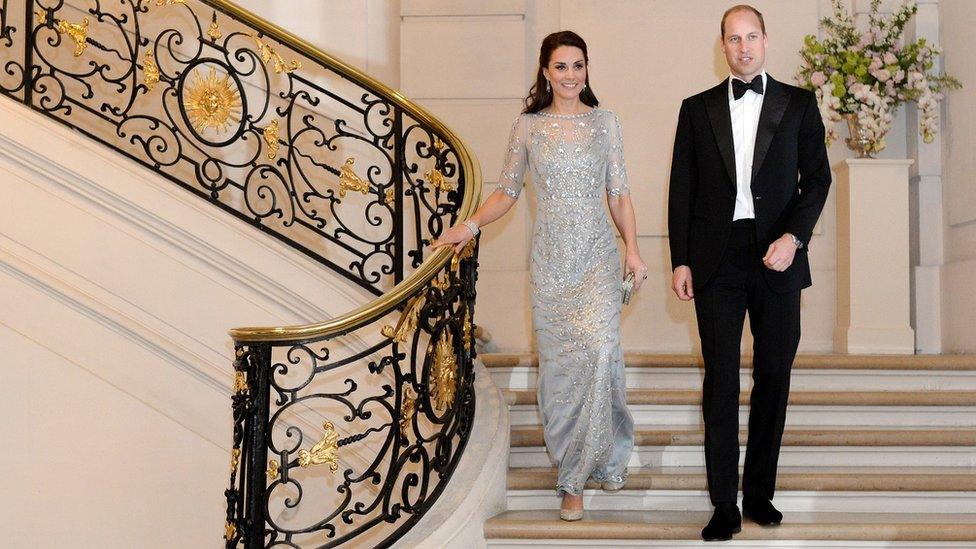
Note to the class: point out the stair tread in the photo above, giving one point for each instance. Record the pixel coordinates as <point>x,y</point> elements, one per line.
<point>824,398</point>
<point>824,478</point>
<point>677,525</point>
<point>803,361</point>
<point>655,435</point>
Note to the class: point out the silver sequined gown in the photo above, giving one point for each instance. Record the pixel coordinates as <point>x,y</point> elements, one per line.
<point>576,297</point>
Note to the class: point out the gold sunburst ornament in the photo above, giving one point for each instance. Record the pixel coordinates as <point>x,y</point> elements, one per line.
<point>212,102</point>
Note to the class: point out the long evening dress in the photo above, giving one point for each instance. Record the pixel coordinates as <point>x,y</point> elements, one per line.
<point>576,289</point>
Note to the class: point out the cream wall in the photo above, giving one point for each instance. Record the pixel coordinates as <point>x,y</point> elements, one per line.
<point>645,58</point>
<point>959,114</point>
<point>363,33</point>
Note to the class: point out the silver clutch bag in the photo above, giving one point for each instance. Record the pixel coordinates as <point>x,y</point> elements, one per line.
<point>628,287</point>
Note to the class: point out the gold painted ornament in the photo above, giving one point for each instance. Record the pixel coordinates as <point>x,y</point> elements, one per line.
<point>444,375</point>
<point>77,32</point>
<point>271,139</point>
<point>349,181</point>
<point>324,451</point>
<point>150,71</point>
<point>212,102</point>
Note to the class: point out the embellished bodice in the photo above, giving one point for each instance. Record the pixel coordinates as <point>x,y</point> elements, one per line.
<point>572,158</point>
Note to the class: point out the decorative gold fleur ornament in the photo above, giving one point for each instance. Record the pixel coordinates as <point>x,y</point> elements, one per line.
<point>150,71</point>
<point>324,451</point>
<point>235,459</point>
<point>408,320</point>
<point>268,53</point>
<point>214,31</point>
<point>77,32</point>
<point>444,375</point>
<point>407,410</point>
<point>240,382</point>
<point>436,177</point>
<point>229,531</point>
<point>272,471</point>
<point>349,181</point>
<point>212,102</point>
<point>271,139</point>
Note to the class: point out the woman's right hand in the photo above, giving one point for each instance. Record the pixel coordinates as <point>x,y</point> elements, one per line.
<point>457,236</point>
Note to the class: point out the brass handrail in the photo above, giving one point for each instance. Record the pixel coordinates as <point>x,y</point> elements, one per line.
<point>432,265</point>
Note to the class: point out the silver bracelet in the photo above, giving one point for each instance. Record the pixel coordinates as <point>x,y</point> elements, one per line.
<point>472,226</point>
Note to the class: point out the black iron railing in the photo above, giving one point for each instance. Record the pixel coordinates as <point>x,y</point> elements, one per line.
<point>345,430</point>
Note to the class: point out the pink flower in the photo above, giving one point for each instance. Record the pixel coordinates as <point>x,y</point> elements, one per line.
<point>818,79</point>
<point>883,75</point>
<point>876,63</point>
<point>899,76</point>
<point>889,58</point>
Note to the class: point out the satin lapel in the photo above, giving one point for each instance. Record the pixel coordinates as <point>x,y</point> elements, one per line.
<point>774,105</point>
<point>717,105</point>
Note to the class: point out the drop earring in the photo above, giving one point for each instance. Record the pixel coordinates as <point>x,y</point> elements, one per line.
<point>548,89</point>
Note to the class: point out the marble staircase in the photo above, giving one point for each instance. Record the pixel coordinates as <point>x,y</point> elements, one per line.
<point>879,451</point>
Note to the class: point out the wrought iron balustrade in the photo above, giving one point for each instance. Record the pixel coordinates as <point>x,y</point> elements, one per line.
<point>345,430</point>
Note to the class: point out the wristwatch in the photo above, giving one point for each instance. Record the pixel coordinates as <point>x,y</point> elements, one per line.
<point>796,241</point>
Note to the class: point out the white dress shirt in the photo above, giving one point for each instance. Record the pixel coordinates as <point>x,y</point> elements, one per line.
<point>745,119</point>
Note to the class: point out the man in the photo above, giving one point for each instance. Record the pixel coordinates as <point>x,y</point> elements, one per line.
<point>749,178</point>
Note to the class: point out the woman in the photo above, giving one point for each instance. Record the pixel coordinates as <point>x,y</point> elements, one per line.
<point>576,155</point>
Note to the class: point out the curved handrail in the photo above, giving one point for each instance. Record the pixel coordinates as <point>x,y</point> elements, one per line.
<point>422,276</point>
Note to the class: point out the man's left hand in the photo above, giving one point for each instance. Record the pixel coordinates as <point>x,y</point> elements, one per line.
<point>780,254</point>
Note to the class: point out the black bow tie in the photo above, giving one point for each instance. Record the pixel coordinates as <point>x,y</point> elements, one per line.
<point>739,87</point>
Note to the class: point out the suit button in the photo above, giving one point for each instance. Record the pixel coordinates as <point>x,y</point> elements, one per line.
<point>758,197</point>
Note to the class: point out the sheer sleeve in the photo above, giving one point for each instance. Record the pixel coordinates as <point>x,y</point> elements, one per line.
<point>516,159</point>
<point>616,169</point>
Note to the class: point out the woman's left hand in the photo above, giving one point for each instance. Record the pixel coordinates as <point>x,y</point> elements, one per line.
<point>634,264</point>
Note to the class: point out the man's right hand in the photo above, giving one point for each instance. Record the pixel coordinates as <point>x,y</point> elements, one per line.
<point>681,283</point>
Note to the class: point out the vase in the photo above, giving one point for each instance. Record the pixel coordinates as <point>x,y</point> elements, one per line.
<point>861,140</point>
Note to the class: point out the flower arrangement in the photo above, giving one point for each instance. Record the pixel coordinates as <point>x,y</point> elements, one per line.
<point>865,76</point>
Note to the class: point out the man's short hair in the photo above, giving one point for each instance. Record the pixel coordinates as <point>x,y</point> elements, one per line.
<point>743,7</point>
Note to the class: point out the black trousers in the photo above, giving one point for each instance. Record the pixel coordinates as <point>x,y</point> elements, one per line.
<point>738,287</point>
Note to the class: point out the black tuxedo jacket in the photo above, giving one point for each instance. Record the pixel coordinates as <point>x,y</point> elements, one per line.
<point>790,179</point>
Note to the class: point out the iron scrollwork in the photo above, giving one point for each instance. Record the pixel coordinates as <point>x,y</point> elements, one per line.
<point>393,431</point>
<point>336,167</point>
<point>238,117</point>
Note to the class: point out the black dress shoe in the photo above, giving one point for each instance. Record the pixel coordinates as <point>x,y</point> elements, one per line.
<point>761,511</point>
<point>725,521</point>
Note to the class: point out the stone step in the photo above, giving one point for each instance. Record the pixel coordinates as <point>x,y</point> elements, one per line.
<point>797,398</point>
<point>807,408</point>
<point>527,436</point>
<point>803,361</point>
<point>681,446</point>
<point>799,489</point>
<point>811,372</point>
<point>513,529</point>
<point>816,479</point>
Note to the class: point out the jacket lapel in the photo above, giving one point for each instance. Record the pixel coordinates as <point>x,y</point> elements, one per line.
<point>717,105</point>
<point>773,107</point>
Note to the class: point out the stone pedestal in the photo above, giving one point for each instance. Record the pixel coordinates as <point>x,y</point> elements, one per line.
<point>873,295</point>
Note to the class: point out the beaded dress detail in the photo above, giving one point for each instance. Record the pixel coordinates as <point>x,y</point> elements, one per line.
<point>576,294</point>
